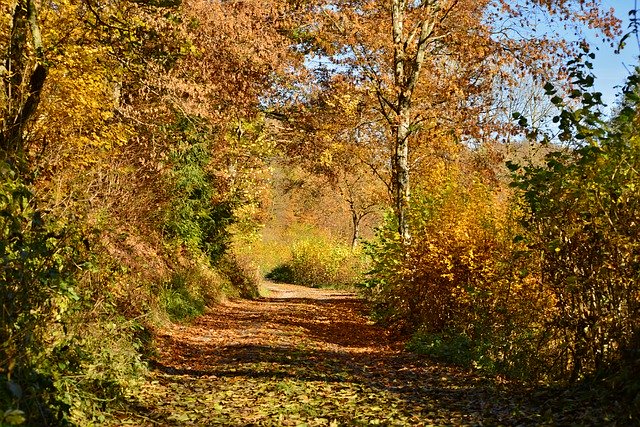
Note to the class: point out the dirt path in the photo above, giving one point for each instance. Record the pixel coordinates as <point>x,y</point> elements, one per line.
<point>301,356</point>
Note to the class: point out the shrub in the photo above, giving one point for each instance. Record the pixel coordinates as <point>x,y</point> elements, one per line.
<point>455,347</point>
<point>39,258</point>
<point>241,276</point>
<point>196,216</point>
<point>181,300</point>
<point>462,284</point>
<point>193,288</point>
<point>282,273</point>
<point>582,210</point>
<point>453,261</point>
<point>546,288</point>
<point>90,366</point>
<point>320,262</point>
<point>53,367</point>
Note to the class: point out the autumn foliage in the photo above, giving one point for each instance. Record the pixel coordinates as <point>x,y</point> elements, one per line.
<point>538,281</point>
<point>155,155</point>
<point>127,151</point>
<point>581,217</point>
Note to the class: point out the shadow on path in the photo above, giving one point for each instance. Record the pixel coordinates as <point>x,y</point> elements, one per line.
<point>311,357</point>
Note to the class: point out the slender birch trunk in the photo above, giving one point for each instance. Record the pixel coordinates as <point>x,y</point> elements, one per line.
<point>409,53</point>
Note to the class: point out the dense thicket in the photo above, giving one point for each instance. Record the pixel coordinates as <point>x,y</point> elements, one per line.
<point>540,282</point>
<point>581,223</point>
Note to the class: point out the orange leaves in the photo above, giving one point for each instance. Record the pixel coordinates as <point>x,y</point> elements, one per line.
<point>233,51</point>
<point>459,263</point>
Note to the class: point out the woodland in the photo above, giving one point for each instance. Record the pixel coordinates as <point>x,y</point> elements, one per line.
<point>447,161</point>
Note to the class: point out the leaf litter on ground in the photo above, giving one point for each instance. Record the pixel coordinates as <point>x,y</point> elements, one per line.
<point>311,357</point>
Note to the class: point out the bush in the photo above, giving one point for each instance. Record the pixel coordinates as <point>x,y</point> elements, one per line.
<point>454,261</point>
<point>463,284</point>
<point>191,289</point>
<point>54,369</point>
<point>90,366</point>
<point>242,276</point>
<point>543,289</point>
<point>181,300</point>
<point>320,262</point>
<point>39,258</point>
<point>582,210</point>
<point>453,347</point>
<point>282,273</point>
<point>197,216</point>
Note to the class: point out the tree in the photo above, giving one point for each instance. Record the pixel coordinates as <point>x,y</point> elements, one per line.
<point>409,51</point>
<point>335,138</point>
<point>116,112</point>
<point>434,64</point>
<point>22,77</point>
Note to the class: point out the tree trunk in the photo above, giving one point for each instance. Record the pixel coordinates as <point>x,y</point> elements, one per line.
<point>401,176</point>
<point>23,77</point>
<point>409,51</point>
<point>402,128</point>
<point>355,236</point>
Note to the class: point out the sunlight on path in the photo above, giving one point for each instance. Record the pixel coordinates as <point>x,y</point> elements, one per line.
<point>300,356</point>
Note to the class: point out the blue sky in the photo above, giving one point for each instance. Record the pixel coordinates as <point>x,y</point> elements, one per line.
<point>611,69</point>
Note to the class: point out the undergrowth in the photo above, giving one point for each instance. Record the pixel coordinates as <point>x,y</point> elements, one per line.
<point>320,262</point>
<point>81,294</point>
<point>538,282</point>
<point>190,291</point>
<point>452,347</point>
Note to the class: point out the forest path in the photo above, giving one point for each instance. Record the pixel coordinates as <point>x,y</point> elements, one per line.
<point>301,356</point>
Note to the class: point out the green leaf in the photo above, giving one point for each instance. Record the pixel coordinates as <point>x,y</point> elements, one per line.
<point>556,100</point>
<point>13,417</point>
<point>549,88</point>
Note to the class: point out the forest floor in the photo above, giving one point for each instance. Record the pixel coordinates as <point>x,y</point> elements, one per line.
<point>311,357</point>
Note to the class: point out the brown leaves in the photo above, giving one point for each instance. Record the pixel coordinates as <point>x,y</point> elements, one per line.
<point>309,357</point>
<point>235,50</point>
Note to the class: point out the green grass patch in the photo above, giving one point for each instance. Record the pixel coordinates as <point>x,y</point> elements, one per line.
<point>452,347</point>
<point>181,300</point>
